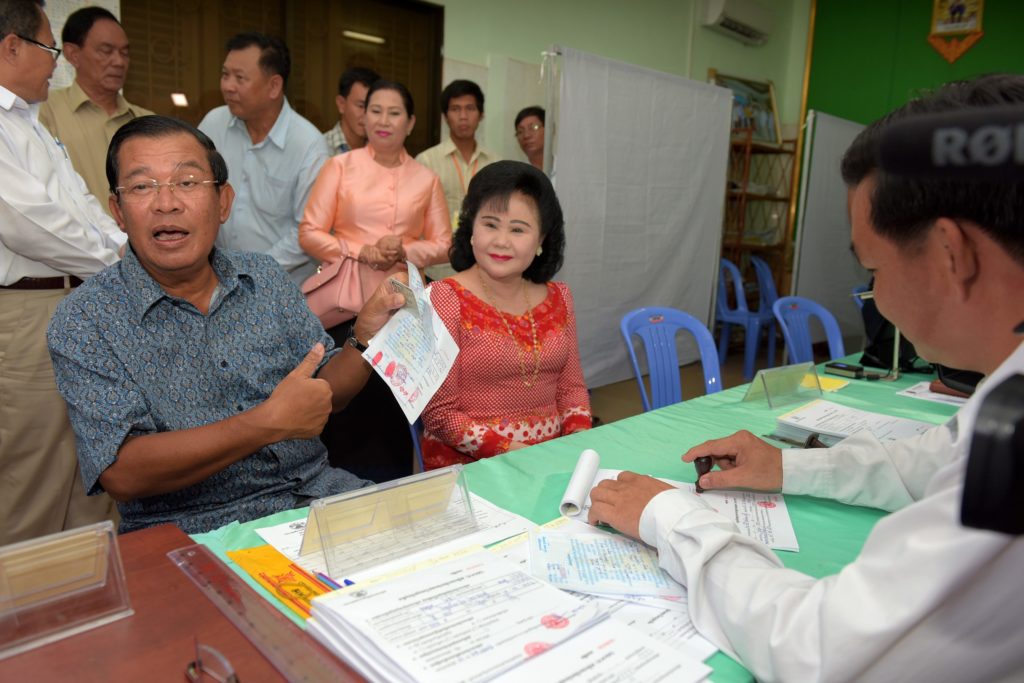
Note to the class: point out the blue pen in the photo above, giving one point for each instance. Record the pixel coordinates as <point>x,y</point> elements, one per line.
<point>328,581</point>
<point>349,582</point>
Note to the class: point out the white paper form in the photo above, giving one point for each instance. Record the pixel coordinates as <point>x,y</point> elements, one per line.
<point>666,620</point>
<point>923,391</point>
<point>600,563</point>
<point>761,516</point>
<point>413,352</point>
<point>837,421</point>
<point>609,653</point>
<point>495,524</point>
<point>469,619</point>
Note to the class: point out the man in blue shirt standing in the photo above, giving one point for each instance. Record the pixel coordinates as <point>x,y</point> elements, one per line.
<point>197,379</point>
<point>274,155</point>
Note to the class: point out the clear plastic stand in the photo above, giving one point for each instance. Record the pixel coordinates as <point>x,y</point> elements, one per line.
<point>369,526</point>
<point>60,585</point>
<point>785,385</point>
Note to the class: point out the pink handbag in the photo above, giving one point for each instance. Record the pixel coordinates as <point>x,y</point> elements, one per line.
<point>334,293</point>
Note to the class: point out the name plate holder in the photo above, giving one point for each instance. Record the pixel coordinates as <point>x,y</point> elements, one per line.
<point>383,522</point>
<point>784,385</point>
<point>60,585</point>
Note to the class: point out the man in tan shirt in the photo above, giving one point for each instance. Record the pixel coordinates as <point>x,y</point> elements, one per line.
<point>86,114</point>
<point>457,159</point>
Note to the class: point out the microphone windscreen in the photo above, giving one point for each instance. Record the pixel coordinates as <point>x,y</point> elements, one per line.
<point>972,144</point>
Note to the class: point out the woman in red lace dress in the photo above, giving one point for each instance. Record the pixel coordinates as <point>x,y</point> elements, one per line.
<point>517,380</point>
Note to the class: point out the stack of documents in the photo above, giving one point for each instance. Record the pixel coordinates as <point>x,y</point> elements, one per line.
<point>479,617</point>
<point>833,423</point>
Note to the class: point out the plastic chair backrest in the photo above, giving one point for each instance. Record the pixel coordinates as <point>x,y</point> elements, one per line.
<point>657,327</point>
<point>793,314</point>
<point>728,272</point>
<point>765,283</point>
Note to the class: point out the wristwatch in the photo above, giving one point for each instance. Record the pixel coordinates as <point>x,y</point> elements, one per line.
<point>356,344</point>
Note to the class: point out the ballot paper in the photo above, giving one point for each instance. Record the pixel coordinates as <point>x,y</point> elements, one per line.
<point>761,516</point>
<point>414,351</point>
<point>608,653</point>
<point>666,620</point>
<point>604,564</point>
<point>469,619</point>
<point>833,423</point>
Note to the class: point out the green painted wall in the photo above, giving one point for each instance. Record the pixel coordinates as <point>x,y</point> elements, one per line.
<point>871,56</point>
<point>658,34</point>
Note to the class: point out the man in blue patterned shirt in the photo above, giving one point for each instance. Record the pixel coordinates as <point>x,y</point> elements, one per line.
<point>196,378</point>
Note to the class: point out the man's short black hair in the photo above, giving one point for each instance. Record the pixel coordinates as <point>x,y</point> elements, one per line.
<point>381,84</point>
<point>903,208</point>
<point>274,55</point>
<point>461,88</point>
<point>156,126</point>
<point>356,74</point>
<point>529,111</point>
<point>80,22</point>
<point>20,17</point>
<point>493,185</point>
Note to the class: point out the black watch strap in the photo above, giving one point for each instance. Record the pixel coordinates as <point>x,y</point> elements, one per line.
<point>356,344</point>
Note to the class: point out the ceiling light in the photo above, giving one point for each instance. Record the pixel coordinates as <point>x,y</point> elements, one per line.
<point>365,37</point>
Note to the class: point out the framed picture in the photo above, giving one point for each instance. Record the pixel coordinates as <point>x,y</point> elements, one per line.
<point>753,106</point>
<point>953,17</point>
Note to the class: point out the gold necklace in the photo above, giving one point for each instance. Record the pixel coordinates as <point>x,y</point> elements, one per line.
<point>528,378</point>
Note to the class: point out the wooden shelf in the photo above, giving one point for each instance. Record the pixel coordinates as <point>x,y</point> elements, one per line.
<point>761,215</point>
<point>737,194</point>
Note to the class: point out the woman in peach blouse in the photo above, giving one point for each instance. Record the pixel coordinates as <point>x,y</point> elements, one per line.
<point>379,205</point>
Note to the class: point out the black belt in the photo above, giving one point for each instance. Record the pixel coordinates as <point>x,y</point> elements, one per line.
<point>44,283</point>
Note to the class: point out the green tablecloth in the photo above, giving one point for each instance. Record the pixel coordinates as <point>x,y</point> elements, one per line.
<point>531,482</point>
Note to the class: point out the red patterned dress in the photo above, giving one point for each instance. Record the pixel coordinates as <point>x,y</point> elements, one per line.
<point>484,404</point>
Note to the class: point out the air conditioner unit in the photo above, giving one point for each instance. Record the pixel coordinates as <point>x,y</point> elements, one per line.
<point>745,20</point>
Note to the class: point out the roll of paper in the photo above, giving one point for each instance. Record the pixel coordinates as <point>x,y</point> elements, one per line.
<point>580,484</point>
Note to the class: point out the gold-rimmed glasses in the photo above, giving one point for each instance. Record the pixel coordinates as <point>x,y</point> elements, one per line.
<point>526,130</point>
<point>145,189</point>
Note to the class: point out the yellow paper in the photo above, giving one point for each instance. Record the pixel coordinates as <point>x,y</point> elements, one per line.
<point>275,572</point>
<point>826,383</point>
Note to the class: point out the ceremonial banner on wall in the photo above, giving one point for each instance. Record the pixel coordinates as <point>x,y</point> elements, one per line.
<point>956,27</point>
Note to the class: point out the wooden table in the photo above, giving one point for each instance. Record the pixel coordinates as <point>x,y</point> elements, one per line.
<point>158,641</point>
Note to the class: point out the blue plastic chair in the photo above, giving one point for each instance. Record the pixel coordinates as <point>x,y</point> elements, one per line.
<point>856,292</point>
<point>657,327</point>
<point>416,431</point>
<point>752,321</point>
<point>765,284</point>
<point>794,314</point>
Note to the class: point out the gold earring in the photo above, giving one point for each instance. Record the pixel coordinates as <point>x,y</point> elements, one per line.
<point>540,250</point>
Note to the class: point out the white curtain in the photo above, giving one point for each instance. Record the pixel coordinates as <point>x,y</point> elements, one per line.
<point>640,169</point>
<point>824,268</point>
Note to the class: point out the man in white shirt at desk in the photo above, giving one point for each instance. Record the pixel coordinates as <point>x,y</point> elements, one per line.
<point>927,599</point>
<point>52,235</point>
<point>273,154</point>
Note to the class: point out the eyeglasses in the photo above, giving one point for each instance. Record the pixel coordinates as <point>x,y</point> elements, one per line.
<point>53,50</point>
<point>521,132</point>
<point>143,190</point>
<point>210,664</point>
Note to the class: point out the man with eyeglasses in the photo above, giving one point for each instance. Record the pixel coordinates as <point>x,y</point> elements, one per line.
<point>197,378</point>
<point>85,115</point>
<point>530,134</point>
<point>53,234</point>
<point>928,598</point>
